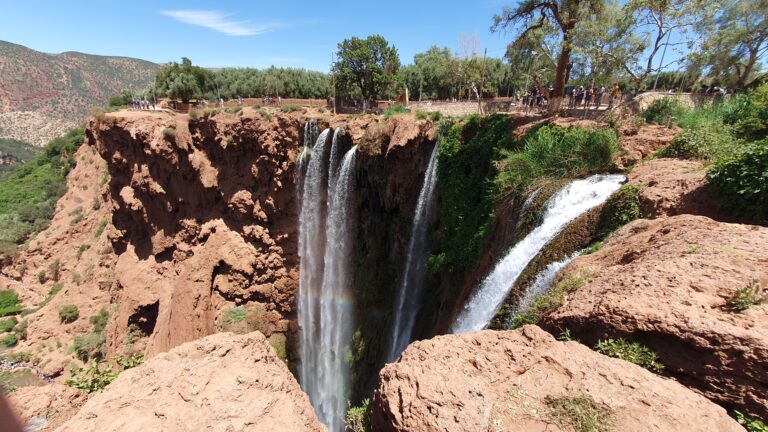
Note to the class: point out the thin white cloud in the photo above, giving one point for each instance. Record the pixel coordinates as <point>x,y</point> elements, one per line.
<point>219,22</point>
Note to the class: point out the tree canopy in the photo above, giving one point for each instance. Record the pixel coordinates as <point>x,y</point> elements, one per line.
<point>368,65</point>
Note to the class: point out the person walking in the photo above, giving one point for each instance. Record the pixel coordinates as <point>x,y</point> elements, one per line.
<point>600,94</point>
<point>615,92</point>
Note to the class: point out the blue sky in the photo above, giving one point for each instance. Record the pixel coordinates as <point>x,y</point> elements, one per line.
<point>245,33</point>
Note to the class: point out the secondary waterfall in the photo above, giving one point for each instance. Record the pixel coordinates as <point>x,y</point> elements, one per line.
<point>566,205</point>
<point>408,300</point>
<point>541,284</point>
<point>324,307</point>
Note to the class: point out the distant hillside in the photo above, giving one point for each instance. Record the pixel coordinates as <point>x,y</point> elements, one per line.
<point>42,95</point>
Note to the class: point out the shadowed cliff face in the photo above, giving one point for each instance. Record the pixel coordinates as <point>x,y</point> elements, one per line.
<point>206,218</point>
<point>206,213</point>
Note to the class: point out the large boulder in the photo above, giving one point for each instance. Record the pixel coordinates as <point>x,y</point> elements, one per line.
<point>521,380</point>
<point>671,187</point>
<point>666,283</point>
<point>222,383</point>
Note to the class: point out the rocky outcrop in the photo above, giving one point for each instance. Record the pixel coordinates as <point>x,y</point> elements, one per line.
<point>46,407</point>
<point>671,187</point>
<point>220,383</point>
<point>643,143</point>
<point>666,283</point>
<point>511,381</point>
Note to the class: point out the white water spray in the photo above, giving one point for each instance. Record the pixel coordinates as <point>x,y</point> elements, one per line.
<point>569,203</point>
<point>408,300</point>
<point>541,284</point>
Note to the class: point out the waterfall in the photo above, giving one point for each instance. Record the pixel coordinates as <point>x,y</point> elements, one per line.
<point>541,283</point>
<point>311,247</point>
<point>408,300</point>
<point>325,312</point>
<point>566,205</point>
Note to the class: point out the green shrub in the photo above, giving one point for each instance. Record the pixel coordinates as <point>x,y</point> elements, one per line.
<point>21,329</point>
<point>436,116</point>
<point>750,424</point>
<point>89,346</point>
<point>99,321</point>
<point>746,297</point>
<point>6,382</point>
<point>358,418</point>
<point>92,345</point>
<point>41,276</point>
<point>233,110</point>
<point>81,249</point>
<point>278,340</point>
<point>549,301</point>
<point>421,115</point>
<point>169,133</point>
<point>9,340</point>
<point>68,313</point>
<point>396,109</point>
<point>740,183</point>
<point>8,298</point>
<point>266,115</point>
<point>290,108</point>
<point>194,114</point>
<point>702,143</point>
<point>663,110</point>
<point>54,270</point>
<point>750,115</point>
<point>632,352</point>
<point>130,362</point>
<point>17,357</point>
<point>256,106</point>
<point>553,151</point>
<point>8,324</point>
<point>245,319</point>
<point>100,228</point>
<point>620,209</point>
<point>580,412</point>
<point>93,378</point>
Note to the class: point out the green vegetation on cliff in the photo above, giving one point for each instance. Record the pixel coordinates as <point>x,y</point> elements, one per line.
<point>465,177</point>
<point>28,195</point>
<point>480,161</point>
<point>730,135</point>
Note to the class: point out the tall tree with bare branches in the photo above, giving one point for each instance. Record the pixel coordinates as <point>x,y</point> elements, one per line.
<point>563,16</point>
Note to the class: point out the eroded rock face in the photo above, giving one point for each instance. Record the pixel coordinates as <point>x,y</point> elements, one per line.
<point>500,381</point>
<point>219,383</point>
<point>637,145</point>
<point>206,220</point>
<point>671,187</point>
<point>666,284</point>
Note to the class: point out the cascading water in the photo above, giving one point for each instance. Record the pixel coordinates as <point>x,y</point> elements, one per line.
<point>408,300</point>
<point>325,312</point>
<point>569,203</point>
<point>541,283</point>
<point>311,247</point>
<point>336,312</point>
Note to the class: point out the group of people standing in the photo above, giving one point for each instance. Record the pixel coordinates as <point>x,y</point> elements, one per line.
<point>142,104</point>
<point>579,97</point>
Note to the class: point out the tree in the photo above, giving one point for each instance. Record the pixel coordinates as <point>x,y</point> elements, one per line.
<point>369,64</point>
<point>735,40</point>
<point>183,81</point>
<point>657,19</point>
<point>563,16</point>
